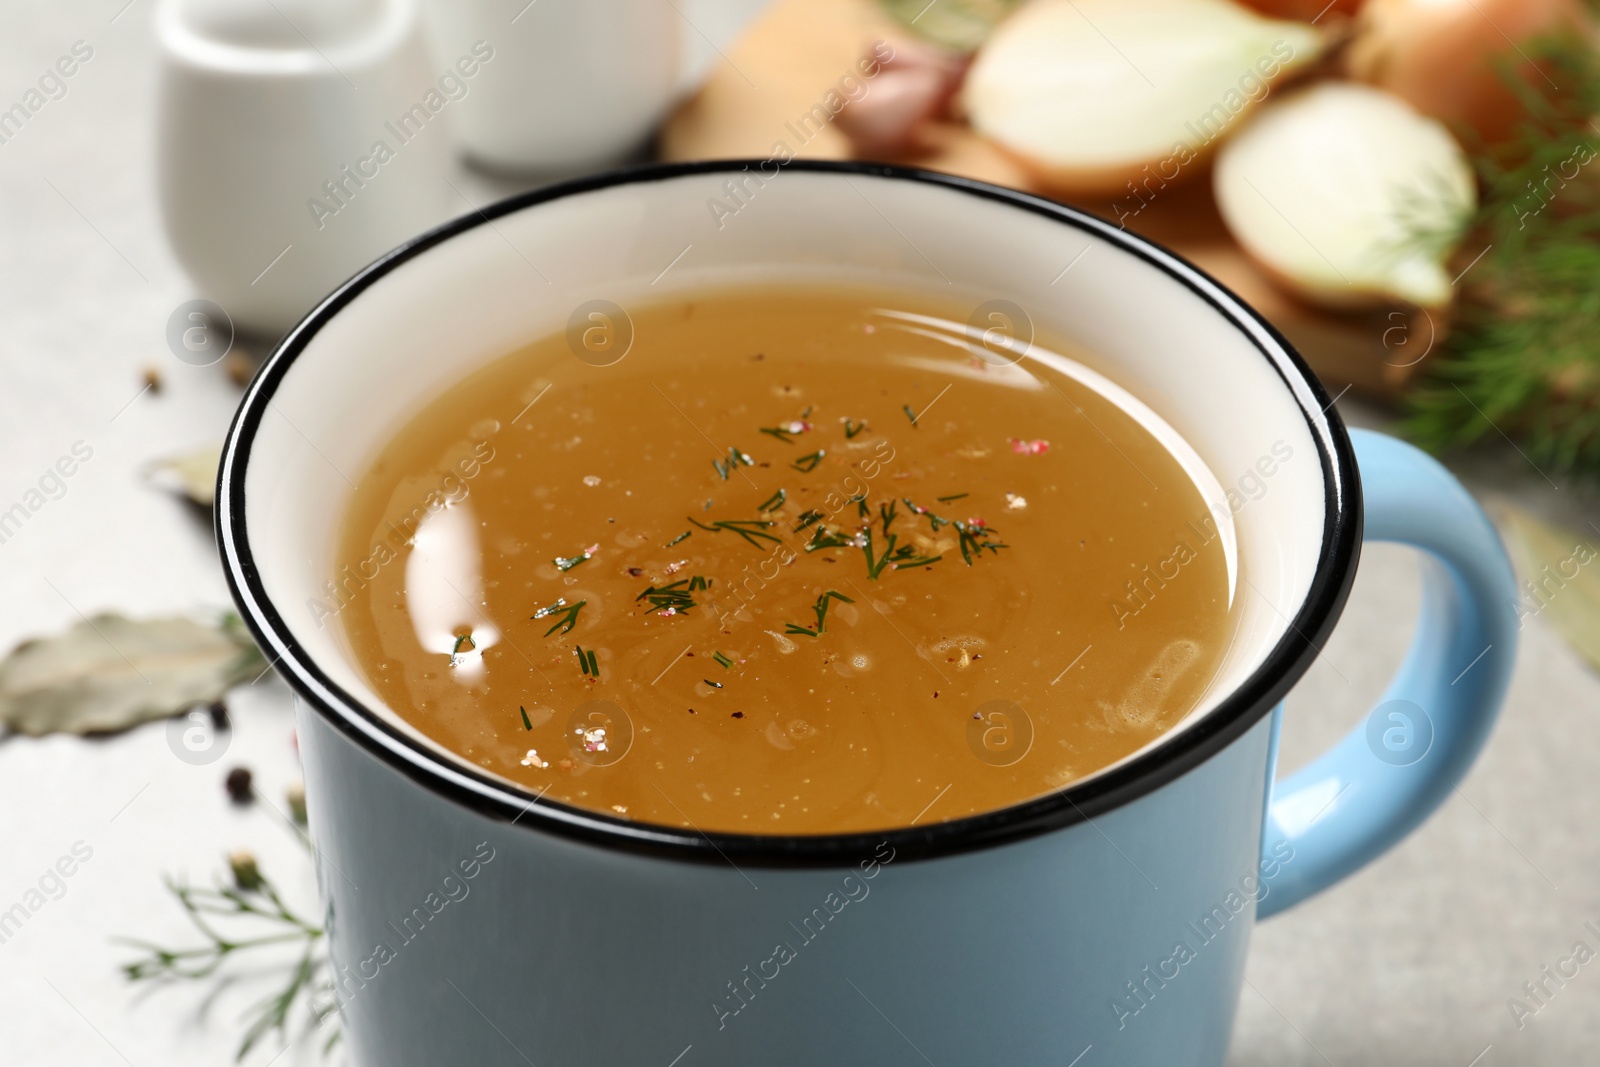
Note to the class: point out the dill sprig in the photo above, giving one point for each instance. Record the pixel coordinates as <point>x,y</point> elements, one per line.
<point>235,920</point>
<point>774,502</point>
<point>1523,357</point>
<point>680,537</point>
<point>587,662</point>
<point>820,610</point>
<point>722,660</point>
<point>851,428</point>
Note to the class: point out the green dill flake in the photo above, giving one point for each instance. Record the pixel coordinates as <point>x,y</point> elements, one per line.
<point>735,458</point>
<point>876,564</point>
<point>934,521</point>
<point>680,537</point>
<point>673,598</point>
<point>808,463</point>
<point>851,428</point>
<point>750,530</point>
<point>894,554</point>
<point>526,723</point>
<point>550,609</point>
<point>956,496</point>
<point>808,518</point>
<point>775,501</point>
<point>588,662</point>
<point>714,685</point>
<point>566,563</point>
<point>975,537</point>
<point>912,415</point>
<point>568,613</point>
<point>726,663</point>
<point>826,538</point>
<point>820,610</point>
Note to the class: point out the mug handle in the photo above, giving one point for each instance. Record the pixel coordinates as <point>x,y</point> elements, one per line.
<point>1387,775</point>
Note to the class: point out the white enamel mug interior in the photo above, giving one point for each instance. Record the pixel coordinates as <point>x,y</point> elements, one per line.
<point>378,350</point>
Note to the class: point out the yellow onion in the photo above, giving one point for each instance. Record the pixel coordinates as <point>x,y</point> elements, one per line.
<point>1089,95</point>
<point>1348,196</point>
<point>1444,57</point>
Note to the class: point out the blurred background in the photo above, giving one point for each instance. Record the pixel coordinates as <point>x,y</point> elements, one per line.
<point>1403,187</point>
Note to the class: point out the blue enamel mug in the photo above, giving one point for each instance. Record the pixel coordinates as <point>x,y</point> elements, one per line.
<point>1104,923</point>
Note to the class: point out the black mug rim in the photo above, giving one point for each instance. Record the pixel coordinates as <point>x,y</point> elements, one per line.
<point>1165,761</point>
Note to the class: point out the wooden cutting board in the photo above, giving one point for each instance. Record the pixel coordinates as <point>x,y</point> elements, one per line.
<point>799,49</point>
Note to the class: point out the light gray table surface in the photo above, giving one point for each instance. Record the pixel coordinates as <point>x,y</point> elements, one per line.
<point>1410,962</point>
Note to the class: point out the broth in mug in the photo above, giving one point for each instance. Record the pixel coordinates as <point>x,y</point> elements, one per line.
<point>801,561</point>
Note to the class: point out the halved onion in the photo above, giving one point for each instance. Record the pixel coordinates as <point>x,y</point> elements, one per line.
<point>1091,94</point>
<point>1348,196</point>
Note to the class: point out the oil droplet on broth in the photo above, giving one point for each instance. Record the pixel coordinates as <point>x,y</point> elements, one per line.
<point>1149,701</point>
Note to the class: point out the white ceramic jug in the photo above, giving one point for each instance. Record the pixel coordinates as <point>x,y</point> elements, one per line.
<point>577,84</point>
<point>299,140</point>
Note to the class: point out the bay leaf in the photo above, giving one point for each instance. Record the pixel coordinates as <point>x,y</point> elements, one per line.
<point>191,474</point>
<point>110,673</point>
<point>1563,567</point>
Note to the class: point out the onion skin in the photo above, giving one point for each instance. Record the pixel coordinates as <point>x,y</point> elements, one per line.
<point>914,86</point>
<point>1441,56</point>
